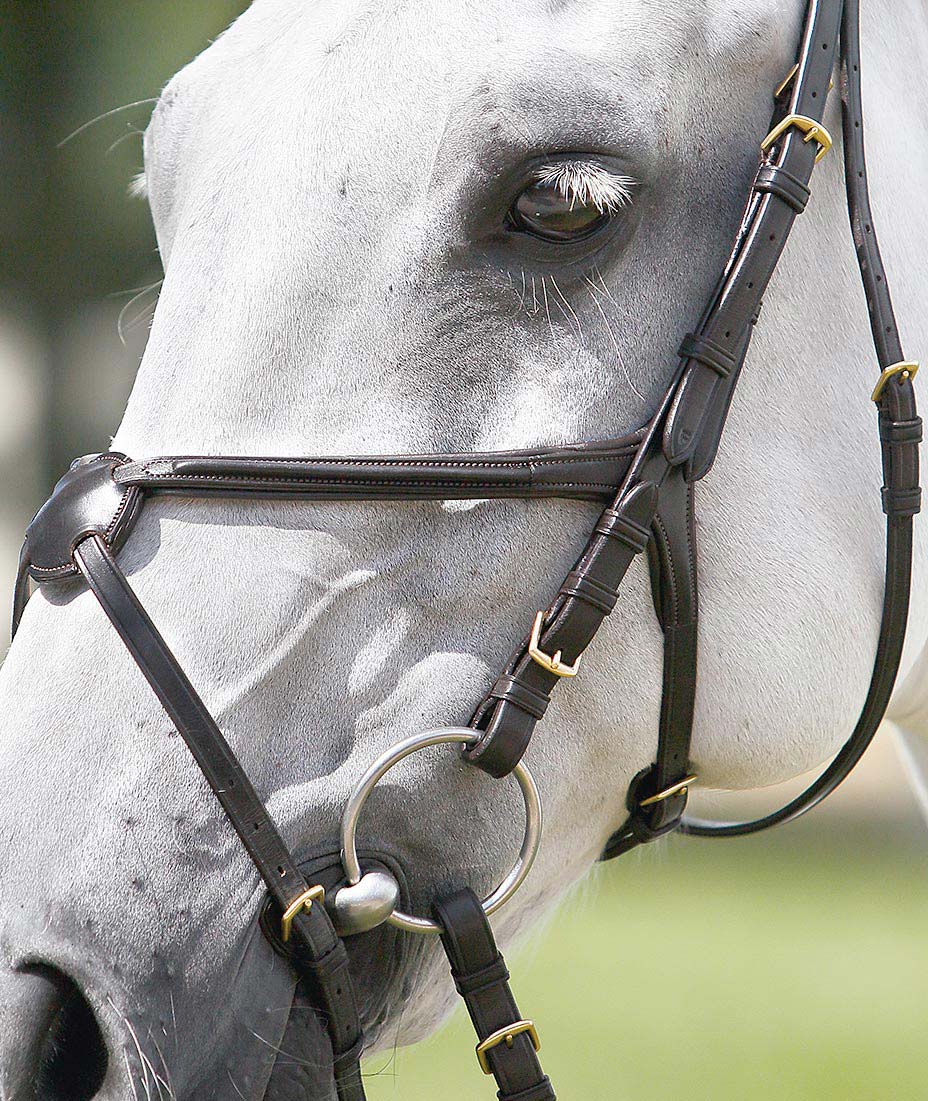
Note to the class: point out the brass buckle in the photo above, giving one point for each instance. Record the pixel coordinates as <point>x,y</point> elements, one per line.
<point>506,1035</point>
<point>814,131</point>
<point>546,661</point>
<point>667,793</point>
<point>304,902</point>
<point>906,371</point>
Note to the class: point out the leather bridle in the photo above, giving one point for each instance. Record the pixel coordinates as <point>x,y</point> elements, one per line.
<point>645,483</point>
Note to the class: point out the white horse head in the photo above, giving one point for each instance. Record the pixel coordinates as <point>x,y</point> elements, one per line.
<point>332,187</point>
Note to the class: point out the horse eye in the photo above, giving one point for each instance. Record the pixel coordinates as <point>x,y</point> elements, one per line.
<point>542,210</point>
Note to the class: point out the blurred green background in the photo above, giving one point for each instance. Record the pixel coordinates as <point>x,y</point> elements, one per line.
<point>791,969</point>
<point>791,966</point>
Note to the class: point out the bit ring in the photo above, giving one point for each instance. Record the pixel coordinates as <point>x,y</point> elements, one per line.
<point>442,736</point>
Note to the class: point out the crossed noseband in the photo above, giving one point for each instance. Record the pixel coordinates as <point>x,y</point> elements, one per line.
<point>645,483</point>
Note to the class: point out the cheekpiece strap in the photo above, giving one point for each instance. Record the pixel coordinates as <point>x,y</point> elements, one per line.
<point>508,1043</point>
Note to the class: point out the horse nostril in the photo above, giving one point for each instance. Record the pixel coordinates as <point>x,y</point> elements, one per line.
<point>72,1058</point>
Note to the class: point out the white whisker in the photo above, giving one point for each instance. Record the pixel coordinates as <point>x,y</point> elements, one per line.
<point>138,186</point>
<point>132,133</point>
<point>520,300</point>
<point>105,115</point>
<point>522,294</point>
<point>234,1086</point>
<point>593,291</point>
<point>166,1081</point>
<point>123,326</point>
<point>608,293</point>
<point>131,1074</point>
<point>279,1051</point>
<point>142,1060</point>
<point>557,289</point>
<point>544,291</point>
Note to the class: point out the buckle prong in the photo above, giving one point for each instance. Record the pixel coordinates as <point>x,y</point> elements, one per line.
<point>813,130</point>
<point>304,902</point>
<point>550,662</point>
<point>668,793</point>
<point>506,1035</point>
<point>905,371</point>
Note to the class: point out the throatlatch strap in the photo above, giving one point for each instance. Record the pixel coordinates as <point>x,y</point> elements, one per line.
<point>508,1044</point>
<point>318,952</point>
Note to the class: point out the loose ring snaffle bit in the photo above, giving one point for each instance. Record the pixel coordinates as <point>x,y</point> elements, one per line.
<point>344,901</point>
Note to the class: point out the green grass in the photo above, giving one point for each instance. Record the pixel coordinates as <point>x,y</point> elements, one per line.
<point>788,968</point>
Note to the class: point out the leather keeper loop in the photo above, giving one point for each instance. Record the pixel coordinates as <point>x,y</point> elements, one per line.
<point>600,596</point>
<point>516,691</point>
<point>645,833</point>
<point>709,353</point>
<point>899,432</point>
<point>497,972</point>
<point>901,502</point>
<point>777,181</point>
<point>616,526</point>
<point>345,1062</point>
<point>321,968</point>
<point>541,1092</point>
<point>647,824</point>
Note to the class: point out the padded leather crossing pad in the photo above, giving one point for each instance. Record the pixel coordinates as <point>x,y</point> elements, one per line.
<point>87,501</point>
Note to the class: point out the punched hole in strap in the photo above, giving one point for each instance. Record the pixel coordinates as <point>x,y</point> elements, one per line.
<point>709,353</point>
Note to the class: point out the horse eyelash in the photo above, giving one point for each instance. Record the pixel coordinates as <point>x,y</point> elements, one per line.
<point>587,183</point>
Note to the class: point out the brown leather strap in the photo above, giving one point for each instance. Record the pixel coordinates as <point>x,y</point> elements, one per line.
<point>672,561</point>
<point>586,472</point>
<point>900,434</point>
<point>694,423</point>
<point>569,626</point>
<point>318,953</point>
<point>482,979</point>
